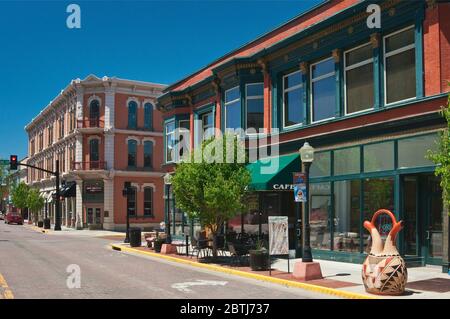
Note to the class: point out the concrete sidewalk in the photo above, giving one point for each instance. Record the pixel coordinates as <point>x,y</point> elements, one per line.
<point>115,235</point>
<point>419,278</point>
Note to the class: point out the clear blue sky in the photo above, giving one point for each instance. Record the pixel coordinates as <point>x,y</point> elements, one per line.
<point>156,41</point>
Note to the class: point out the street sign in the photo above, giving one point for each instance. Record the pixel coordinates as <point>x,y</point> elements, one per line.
<point>300,187</point>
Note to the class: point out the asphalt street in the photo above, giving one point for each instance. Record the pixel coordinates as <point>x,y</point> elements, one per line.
<point>37,265</point>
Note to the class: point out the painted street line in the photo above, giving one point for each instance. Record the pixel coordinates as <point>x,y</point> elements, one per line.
<point>4,289</point>
<point>183,286</point>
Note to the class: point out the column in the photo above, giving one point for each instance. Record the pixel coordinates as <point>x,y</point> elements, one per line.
<point>108,204</point>
<point>109,105</point>
<point>79,204</point>
<point>79,104</point>
<point>109,150</point>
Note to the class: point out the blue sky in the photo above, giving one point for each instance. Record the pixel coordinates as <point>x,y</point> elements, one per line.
<point>156,41</point>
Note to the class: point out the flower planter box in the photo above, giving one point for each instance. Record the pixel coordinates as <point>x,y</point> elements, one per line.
<point>259,260</point>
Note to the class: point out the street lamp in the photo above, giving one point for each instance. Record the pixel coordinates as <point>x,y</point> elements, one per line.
<point>307,157</point>
<point>125,193</point>
<point>168,182</point>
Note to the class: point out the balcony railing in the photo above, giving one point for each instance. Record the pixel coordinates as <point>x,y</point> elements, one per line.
<point>88,166</point>
<point>90,123</point>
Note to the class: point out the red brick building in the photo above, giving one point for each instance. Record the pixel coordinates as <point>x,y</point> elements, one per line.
<point>367,99</point>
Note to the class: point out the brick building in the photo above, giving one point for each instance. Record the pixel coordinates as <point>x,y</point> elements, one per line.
<point>104,132</point>
<point>366,99</point>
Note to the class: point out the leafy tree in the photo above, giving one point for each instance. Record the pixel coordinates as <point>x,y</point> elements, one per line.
<point>19,195</point>
<point>442,156</point>
<point>35,202</point>
<point>212,191</point>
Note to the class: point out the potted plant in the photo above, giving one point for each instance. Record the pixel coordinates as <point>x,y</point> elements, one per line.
<point>157,244</point>
<point>259,257</point>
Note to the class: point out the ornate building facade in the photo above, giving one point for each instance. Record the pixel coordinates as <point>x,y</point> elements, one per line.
<point>103,132</point>
<point>367,99</point>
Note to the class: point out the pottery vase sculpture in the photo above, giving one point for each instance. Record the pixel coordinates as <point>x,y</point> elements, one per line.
<point>384,270</point>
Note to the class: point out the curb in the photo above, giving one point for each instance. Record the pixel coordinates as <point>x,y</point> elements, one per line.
<point>284,282</point>
<point>7,293</point>
<point>37,229</point>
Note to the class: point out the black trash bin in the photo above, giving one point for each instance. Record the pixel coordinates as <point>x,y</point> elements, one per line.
<point>40,224</point>
<point>46,223</point>
<point>135,237</point>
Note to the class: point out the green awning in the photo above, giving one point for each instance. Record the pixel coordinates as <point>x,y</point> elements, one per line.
<point>274,173</point>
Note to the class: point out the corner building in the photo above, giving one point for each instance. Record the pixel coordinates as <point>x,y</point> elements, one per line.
<point>104,132</point>
<point>367,100</point>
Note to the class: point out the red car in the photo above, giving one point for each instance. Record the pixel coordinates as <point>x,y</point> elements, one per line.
<point>13,218</point>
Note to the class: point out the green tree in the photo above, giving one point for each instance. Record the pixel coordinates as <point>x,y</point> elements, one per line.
<point>19,195</point>
<point>35,202</point>
<point>442,156</point>
<point>212,191</point>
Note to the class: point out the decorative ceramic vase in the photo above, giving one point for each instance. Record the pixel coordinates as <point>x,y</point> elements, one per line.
<point>384,270</point>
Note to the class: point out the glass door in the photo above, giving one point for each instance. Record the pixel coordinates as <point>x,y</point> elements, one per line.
<point>98,216</point>
<point>410,205</point>
<point>433,236</point>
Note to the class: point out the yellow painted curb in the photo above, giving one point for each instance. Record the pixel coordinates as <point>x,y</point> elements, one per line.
<point>289,283</point>
<point>7,293</point>
<point>38,229</point>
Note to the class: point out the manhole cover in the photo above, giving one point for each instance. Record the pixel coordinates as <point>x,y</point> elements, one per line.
<point>433,284</point>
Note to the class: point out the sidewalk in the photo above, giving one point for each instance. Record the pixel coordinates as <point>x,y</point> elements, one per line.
<point>107,234</point>
<point>340,279</point>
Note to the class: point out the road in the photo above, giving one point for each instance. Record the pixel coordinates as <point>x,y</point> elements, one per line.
<point>34,265</point>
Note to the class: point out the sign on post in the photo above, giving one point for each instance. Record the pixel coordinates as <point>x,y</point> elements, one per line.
<point>278,235</point>
<point>300,187</point>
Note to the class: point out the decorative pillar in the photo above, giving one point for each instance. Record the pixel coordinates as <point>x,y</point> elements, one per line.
<point>336,53</point>
<point>375,41</point>
<point>108,204</point>
<point>79,204</point>
<point>218,93</point>
<point>304,68</point>
<point>267,97</point>
<point>79,113</point>
<point>109,104</point>
<point>109,149</point>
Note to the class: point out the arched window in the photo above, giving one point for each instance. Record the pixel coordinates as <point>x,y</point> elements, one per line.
<point>148,201</point>
<point>132,150</point>
<point>131,201</point>
<point>132,115</point>
<point>94,113</point>
<point>94,156</point>
<point>148,154</point>
<point>148,116</point>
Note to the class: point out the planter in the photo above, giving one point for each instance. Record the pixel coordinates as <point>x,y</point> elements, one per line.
<point>259,260</point>
<point>157,245</point>
<point>40,223</point>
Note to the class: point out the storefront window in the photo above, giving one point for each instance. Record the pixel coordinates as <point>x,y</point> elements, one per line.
<point>347,161</point>
<point>320,209</point>
<point>412,151</point>
<point>378,194</point>
<point>347,195</point>
<point>379,157</point>
<point>321,165</point>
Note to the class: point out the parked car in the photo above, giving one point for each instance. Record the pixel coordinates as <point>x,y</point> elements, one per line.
<point>13,218</point>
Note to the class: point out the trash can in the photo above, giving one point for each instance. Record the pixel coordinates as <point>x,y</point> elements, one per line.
<point>46,223</point>
<point>40,223</point>
<point>135,237</point>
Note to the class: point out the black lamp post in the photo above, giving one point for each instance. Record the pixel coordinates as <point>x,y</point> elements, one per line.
<point>168,182</point>
<point>125,193</point>
<point>307,157</point>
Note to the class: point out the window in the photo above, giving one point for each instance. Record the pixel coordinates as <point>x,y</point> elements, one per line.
<point>254,102</point>
<point>359,85</point>
<point>41,141</point>
<point>50,135</point>
<point>347,161</point>
<point>132,115</point>
<point>320,211</point>
<point>61,126</point>
<point>379,157</point>
<point>205,128</point>
<point>321,164</point>
<point>132,149</point>
<point>148,154</point>
<point>233,108</point>
<point>131,201</point>
<point>323,90</point>
<point>412,151</point>
<point>94,153</point>
<point>148,201</point>
<point>400,66</point>
<point>347,195</point>
<point>94,113</point>
<point>148,116</point>
<point>184,136</point>
<point>170,142</point>
<point>293,112</point>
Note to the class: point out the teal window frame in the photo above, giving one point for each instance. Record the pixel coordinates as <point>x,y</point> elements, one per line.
<point>148,152</point>
<point>132,118</point>
<point>198,116</point>
<point>132,143</point>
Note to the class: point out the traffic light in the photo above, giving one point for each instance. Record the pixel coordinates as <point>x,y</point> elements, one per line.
<point>13,162</point>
